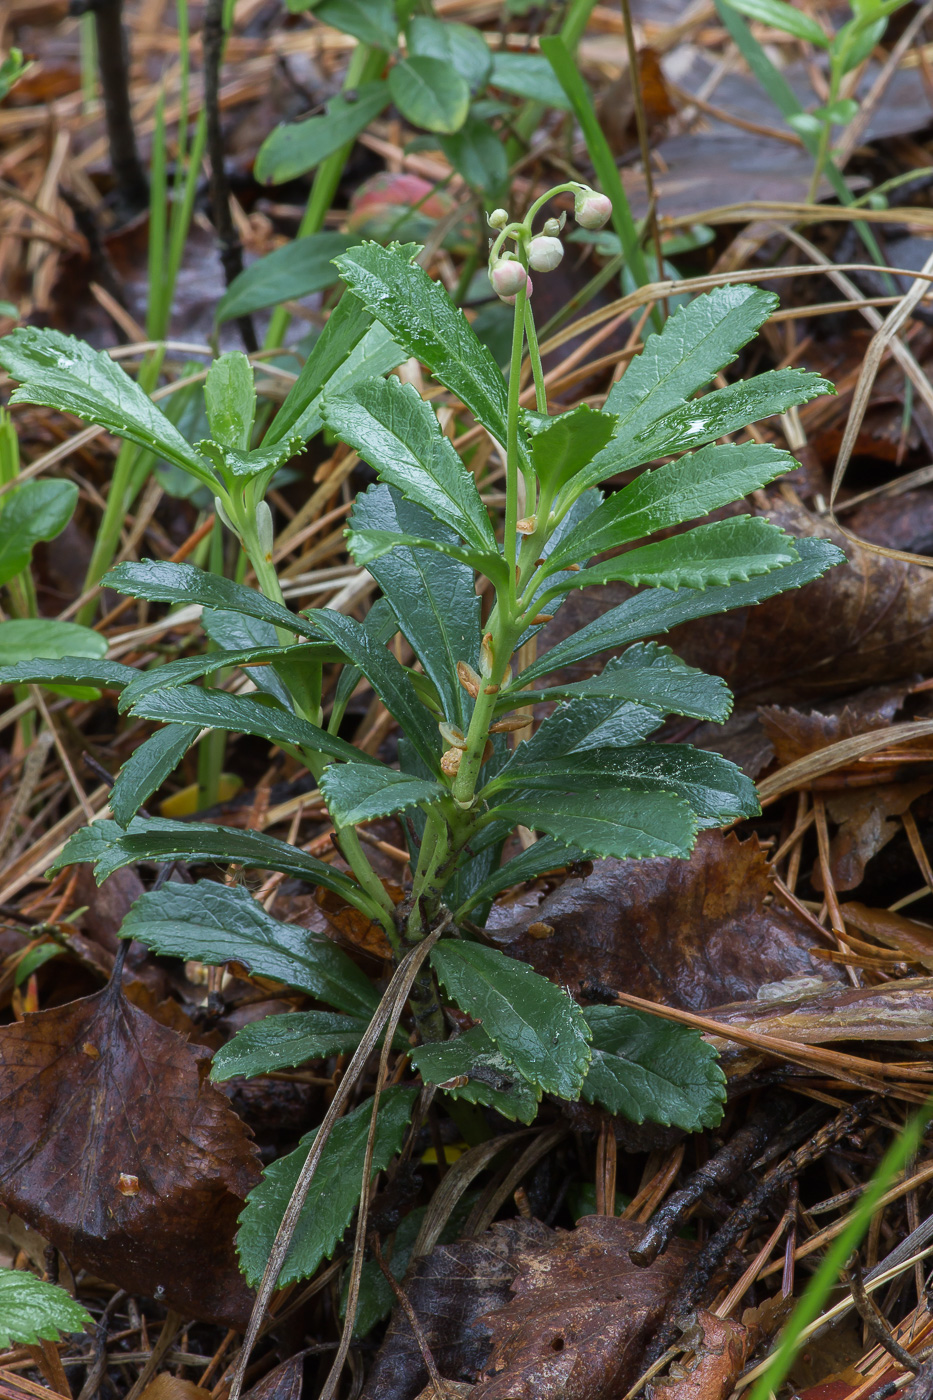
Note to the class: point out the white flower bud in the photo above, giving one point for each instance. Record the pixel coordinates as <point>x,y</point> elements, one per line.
<point>264,528</point>
<point>544,253</point>
<point>498,218</point>
<point>592,210</point>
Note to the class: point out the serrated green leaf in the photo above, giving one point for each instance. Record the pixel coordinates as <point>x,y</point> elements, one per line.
<point>646,1067</point>
<point>786,18</point>
<point>585,722</point>
<point>233,466</point>
<point>387,678</point>
<point>428,94</point>
<point>182,583</point>
<point>32,1310</point>
<point>110,847</point>
<point>66,374</point>
<point>74,670</point>
<point>281,1042</point>
<point>560,447</point>
<point>698,340</point>
<point>253,659</point>
<point>247,714</point>
<point>691,487</point>
<point>422,318</point>
<point>367,546</point>
<point>397,433</point>
<point>460,46</point>
<point>493,1079</point>
<point>351,347</point>
<point>609,821</point>
<point>37,510</point>
<point>724,552</point>
<point>28,642</point>
<point>230,400</point>
<point>582,507</point>
<point>645,674</point>
<point>334,1193</point>
<point>545,854</point>
<point>357,793</point>
<point>147,768</point>
<point>445,626</point>
<point>294,149</point>
<point>217,924</point>
<point>535,1024</point>
<point>295,270</point>
<point>656,611</point>
<point>715,789</point>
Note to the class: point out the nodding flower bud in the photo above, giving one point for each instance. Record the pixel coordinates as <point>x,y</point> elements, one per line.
<point>552,227</point>
<point>498,218</point>
<point>591,210</point>
<point>508,277</point>
<point>544,253</point>
<point>264,528</point>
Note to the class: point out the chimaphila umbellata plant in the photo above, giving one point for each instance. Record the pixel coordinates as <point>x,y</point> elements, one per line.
<point>471,767</point>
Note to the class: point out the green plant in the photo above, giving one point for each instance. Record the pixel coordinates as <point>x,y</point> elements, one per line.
<point>32,1310</point>
<point>589,782</point>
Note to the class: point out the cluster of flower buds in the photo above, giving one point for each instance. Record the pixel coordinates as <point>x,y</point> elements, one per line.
<point>543,250</point>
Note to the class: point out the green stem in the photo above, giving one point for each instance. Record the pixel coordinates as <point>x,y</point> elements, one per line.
<point>512,455</point>
<point>534,354</point>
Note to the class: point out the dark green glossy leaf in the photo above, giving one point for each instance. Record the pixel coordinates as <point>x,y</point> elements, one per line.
<point>398,434</point>
<point>562,446</point>
<point>609,821</point>
<point>493,1079</point>
<point>147,768</point>
<point>182,583</point>
<point>247,714</point>
<point>281,1042</point>
<point>295,149</point>
<point>386,677</point>
<point>425,322</point>
<point>37,510</point>
<point>698,340</point>
<point>334,1193</point>
<point>535,1024</point>
<point>74,670</point>
<point>648,1068</point>
<point>691,487</point>
<point>645,674</point>
<point>366,546</point>
<point>715,789</point>
<point>428,94</point>
<point>444,627</point>
<point>191,668</point>
<point>230,400</point>
<point>295,270</point>
<point>354,792</point>
<point>658,610</point>
<point>217,924</point>
<point>351,347</point>
<point>32,1310</point>
<point>66,374</point>
<point>460,46</point>
<point>30,641</point>
<point>584,722</point>
<point>724,552</point>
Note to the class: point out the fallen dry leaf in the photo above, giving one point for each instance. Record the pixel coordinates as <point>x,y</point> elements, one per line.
<point>169,1387</point>
<point>913,939</point>
<point>866,822</point>
<point>692,933</point>
<point>281,1383</point>
<point>718,1349</point>
<point>580,1315</point>
<point>97,1089</point>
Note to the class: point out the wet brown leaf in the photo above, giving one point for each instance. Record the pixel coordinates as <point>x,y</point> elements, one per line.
<point>580,1316</point>
<point>282,1383</point>
<point>95,1090</point>
<point>866,820</point>
<point>913,939</point>
<point>693,933</point>
<point>452,1291</point>
<point>719,1348</point>
<point>169,1387</point>
<point>794,734</point>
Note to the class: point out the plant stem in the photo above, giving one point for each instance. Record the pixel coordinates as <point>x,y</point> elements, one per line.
<point>512,458</point>
<point>534,354</point>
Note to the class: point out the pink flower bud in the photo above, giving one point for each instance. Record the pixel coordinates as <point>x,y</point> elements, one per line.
<point>592,210</point>
<point>544,253</point>
<point>506,276</point>
<point>510,301</point>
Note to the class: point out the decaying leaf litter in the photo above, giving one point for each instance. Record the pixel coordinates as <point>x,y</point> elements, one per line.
<point>578,1254</point>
